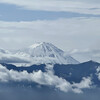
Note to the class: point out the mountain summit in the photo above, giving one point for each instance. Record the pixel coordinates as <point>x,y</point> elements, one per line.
<point>43,52</point>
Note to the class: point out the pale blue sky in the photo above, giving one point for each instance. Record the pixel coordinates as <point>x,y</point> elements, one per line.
<point>10,12</point>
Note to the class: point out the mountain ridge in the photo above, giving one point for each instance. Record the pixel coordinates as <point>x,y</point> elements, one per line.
<point>71,72</point>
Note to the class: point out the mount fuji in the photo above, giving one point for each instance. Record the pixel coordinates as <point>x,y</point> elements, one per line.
<point>43,53</point>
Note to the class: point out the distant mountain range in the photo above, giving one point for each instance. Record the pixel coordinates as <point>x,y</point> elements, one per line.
<point>75,73</point>
<point>72,73</point>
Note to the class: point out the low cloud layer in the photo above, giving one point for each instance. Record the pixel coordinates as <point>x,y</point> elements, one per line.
<point>86,54</point>
<point>7,57</point>
<point>47,78</point>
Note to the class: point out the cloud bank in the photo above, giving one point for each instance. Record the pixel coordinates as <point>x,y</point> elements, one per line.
<point>86,54</point>
<point>8,57</point>
<point>47,78</point>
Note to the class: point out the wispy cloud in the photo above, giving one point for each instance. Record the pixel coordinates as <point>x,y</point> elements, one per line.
<point>74,32</point>
<point>78,6</point>
<point>86,54</point>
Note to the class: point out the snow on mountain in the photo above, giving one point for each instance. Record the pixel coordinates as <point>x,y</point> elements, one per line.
<point>2,51</point>
<point>38,53</point>
<point>41,53</point>
<point>43,50</point>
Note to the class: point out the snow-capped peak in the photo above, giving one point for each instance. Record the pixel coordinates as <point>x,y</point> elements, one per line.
<point>36,45</point>
<point>38,53</point>
<point>47,53</point>
<point>43,50</point>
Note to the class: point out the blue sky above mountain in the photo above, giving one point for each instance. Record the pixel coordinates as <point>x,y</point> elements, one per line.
<point>9,12</point>
<point>79,6</point>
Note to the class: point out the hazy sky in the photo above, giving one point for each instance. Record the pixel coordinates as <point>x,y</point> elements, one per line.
<point>69,24</point>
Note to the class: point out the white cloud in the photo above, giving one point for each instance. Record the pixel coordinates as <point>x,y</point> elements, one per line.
<point>74,33</point>
<point>86,54</point>
<point>13,57</point>
<point>58,5</point>
<point>47,78</point>
<point>85,83</point>
<point>98,72</point>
